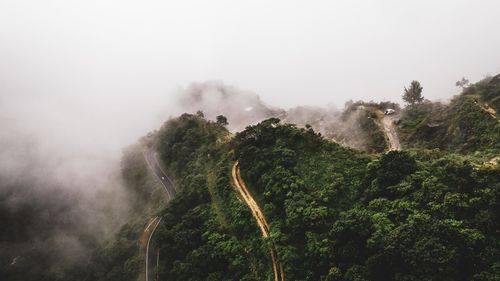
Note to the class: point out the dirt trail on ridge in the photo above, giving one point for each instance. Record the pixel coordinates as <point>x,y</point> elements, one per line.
<point>242,189</point>
<point>387,124</point>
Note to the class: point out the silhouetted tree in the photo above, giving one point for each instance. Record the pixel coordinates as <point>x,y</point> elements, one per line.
<point>462,83</point>
<point>413,94</point>
<point>222,120</point>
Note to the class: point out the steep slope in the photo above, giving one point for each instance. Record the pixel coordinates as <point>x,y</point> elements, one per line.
<point>207,233</point>
<point>390,131</point>
<point>488,93</point>
<point>340,215</point>
<point>326,212</point>
<point>123,256</point>
<point>468,123</point>
<point>259,217</point>
<point>359,128</point>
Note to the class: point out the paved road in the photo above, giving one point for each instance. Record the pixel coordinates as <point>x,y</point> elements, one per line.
<point>170,191</point>
<point>155,166</point>
<point>259,218</point>
<point>151,256</point>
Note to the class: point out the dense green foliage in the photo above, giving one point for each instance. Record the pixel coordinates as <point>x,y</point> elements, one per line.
<point>300,178</point>
<point>413,94</point>
<point>468,123</point>
<point>120,258</point>
<point>334,213</point>
<point>206,233</point>
<point>138,178</point>
<point>487,90</point>
<point>338,215</point>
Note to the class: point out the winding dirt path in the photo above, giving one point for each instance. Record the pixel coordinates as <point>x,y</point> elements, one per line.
<point>242,189</point>
<point>390,131</point>
<point>488,109</point>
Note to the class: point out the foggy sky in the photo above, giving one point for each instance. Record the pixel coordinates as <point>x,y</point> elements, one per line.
<point>101,73</point>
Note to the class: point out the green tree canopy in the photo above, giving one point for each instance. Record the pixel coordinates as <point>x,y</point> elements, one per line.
<point>222,120</point>
<point>413,94</point>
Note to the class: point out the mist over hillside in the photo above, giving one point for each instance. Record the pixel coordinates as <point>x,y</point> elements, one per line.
<point>256,140</point>
<point>244,108</point>
<point>61,189</point>
<point>213,98</point>
<point>57,204</point>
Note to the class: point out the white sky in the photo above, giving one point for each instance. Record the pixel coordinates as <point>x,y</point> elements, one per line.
<point>119,62</point>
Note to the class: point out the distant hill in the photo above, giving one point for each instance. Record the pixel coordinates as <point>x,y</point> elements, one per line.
<point>468,123</point>
<point>354,126</point>
<point>213,98</point>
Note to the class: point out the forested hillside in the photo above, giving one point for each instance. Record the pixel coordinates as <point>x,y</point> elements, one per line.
<point>467,124</point>
<point>341,215</point>
<point>430,212</point>
<point>122,256</point>
<point>207,234</point>
<point>334,213</point>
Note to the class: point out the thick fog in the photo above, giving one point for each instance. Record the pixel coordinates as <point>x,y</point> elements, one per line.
<point>111,68</point>
<point>80,80</point>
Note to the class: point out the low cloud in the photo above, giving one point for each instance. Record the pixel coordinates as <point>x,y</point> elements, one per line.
<point>242,108</point>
